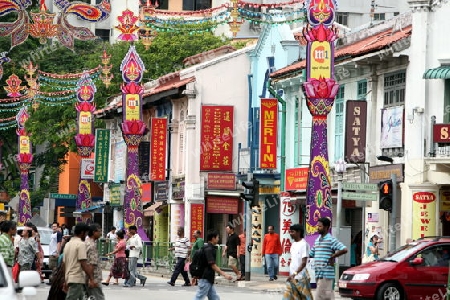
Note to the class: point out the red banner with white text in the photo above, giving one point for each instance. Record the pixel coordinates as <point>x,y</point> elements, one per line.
<point>158,149</point>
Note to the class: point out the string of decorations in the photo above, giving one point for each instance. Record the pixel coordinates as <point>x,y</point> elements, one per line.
<point>186,30</point>
<point>208,11</point>
<point>67,76</point>
<point>218,18</point>
<point>286,14</point>
<point>270,5</point>
<point>8,125</point>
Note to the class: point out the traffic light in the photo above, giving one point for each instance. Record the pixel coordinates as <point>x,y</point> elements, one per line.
<point>251,192</point>
<point>385,195</point>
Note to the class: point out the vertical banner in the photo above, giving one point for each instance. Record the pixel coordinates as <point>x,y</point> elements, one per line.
<point>158,149</point>
<point>257,235</point>
<point>120,161</point>
<point>216,141</point>
<point>289,215</point>
<point>320,89</point>
<point>392,127</point>
<point>161,230</point>
<point>144,158</point>
<point>355,131</point>
<point>268,132</point>
<point>102,139</point>
<point>197,219</point>
<point>176,219</point>
<point>424,214</point>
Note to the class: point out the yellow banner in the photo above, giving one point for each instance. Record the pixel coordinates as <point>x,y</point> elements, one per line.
<point>320,58</point>
<point>133,107</point>
<point>24,144</point>
<point>424,214</point>
<point>85,122</point>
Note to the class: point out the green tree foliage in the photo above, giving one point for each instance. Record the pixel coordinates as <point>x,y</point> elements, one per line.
<point>53,127</point>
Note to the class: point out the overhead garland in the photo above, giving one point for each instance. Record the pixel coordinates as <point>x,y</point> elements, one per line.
<point>41,25</point>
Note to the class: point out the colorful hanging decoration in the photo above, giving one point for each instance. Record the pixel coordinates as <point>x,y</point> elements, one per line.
<point>146,33</point>
<point>105,68</point>
<point>3,59</point>
<point>25,158</point>
<point>14,87</point>
<point>33,88</point>
<point>236,22</point>
<point>320,90</point>
<point>85,138</point>
<point>133,130</point>
<point>127,26</point>
<point>41,25</point>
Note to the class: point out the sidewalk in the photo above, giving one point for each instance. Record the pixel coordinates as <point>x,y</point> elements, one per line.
<point>258,282</point>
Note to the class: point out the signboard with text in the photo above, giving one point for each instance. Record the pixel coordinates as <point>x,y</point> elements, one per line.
<point>197,219</point>
<point>158,148</point>
<point>424,214</point>
<point>355,131</point>
<point>216,141</point>
<point>268,134</point>
<point>222,205</point>
<point>296,179</point>
<point>441,133</point>
<point>289,215</point>
<point>221,181</point>
<point>102,140</point>
<point>87,168</point>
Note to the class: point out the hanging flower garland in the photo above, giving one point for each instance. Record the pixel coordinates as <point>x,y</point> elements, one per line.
<point>179,21</point>
<point>270,5</point>
<point>209,11</point>
<point>66,76</point>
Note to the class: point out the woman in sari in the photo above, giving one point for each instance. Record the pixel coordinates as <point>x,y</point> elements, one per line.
<point>119,269</point>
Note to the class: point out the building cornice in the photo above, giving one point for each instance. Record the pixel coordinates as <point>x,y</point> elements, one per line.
<point>420,5</point>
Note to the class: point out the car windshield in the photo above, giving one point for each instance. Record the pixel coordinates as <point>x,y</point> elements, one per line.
<point>401,253</point>
<point>45,236</point>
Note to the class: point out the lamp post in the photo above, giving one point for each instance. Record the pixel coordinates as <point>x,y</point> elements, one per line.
<point>340,167</point>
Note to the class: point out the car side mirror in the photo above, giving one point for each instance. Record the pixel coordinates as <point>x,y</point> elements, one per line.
<point>416,261</point>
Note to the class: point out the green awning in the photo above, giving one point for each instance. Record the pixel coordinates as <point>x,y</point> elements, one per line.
<point>442,72</point>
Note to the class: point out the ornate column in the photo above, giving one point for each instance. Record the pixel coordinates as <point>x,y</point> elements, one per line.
<point>133,129</point>
<point>24,158</point>
<point>85,139</point>
<point>320,90</point>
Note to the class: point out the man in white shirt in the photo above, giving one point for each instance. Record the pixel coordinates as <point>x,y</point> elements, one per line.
<point>112,234</point>
<point>54,248</point>
<point>182,250</point>
<point>134,243</point>
<point>298,283</point>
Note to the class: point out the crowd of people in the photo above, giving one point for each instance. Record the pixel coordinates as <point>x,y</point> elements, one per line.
<point>77,272</point>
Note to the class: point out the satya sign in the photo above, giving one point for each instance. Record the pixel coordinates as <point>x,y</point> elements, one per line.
<point>441,133</point>
<point>355,131</point>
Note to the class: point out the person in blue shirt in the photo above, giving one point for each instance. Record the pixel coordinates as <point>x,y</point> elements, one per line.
<point>372,247</point>
<point>326,248</point>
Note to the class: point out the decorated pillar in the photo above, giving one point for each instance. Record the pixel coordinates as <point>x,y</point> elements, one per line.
<point>25,157</point>
<point>320,90</point>
<point>85,138</point>
<point>133,129</point>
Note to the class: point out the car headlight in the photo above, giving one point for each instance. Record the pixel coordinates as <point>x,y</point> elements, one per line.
<point>361,276</point>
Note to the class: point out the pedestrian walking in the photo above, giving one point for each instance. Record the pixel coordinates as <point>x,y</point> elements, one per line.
<point>298,284</point>
<point>242,255</point>
<point>271,251</point>
<point>134,243</point>
<point>65,230</point>
<point>76,266</point>
<point>326,248</point>
<point>8,231</point>
<point>93,259</point>
<point>206,282</point>
<point>182,248</point>
<point>28,250</point>
<point>54,248</point>
<point>119,269</point>
<point>58,289</point>
<point>231,250</point>
<point>197,245</point>
<point>112,236</point>
<point>39,260</point>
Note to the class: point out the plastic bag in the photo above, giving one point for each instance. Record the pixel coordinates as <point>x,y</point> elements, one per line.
<point>186,266</point>
<point>368,258</point>
<point>15,272</point>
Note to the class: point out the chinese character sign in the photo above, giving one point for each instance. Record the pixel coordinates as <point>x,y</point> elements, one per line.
<point>197,213</point>
<point>289,215</point>
<point>424,214</point>
<point>158,149</point>
<point>268,134</point>
<point>216,149</point>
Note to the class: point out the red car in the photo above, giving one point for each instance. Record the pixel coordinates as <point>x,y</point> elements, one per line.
<point>418,270</point>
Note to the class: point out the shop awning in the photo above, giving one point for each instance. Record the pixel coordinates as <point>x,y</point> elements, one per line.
<point>442,72</point>
<point>89,209</point>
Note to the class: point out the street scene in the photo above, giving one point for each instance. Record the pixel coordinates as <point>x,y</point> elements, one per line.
<point>293,149</point>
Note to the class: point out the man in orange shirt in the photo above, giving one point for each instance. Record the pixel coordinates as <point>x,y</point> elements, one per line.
<point>242,255</point>
<point>271,250</point>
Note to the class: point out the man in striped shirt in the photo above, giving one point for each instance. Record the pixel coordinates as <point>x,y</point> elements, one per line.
<point>326,249</point>
<point>182,249</point>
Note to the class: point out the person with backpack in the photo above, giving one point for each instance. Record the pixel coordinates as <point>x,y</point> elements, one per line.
<point>204,261</point>
<point>197,245</point>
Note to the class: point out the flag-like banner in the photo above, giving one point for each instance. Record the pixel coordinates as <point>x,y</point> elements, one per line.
<point>158,149</point>
<point>268,134</point>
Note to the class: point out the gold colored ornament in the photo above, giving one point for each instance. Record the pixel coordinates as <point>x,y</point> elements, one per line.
<point>235,23</point>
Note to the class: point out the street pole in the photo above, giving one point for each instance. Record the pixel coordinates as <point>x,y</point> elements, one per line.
<point>340,167</point>
<point>392,229</point>
<point>248,235</point>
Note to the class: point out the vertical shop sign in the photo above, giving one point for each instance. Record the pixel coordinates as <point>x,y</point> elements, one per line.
<point>216,148</point>
<point>197,213</point>
<point>102,139</point>
<point>158,149</point>
<point>424,214</point>
<point>289,215</point>
<point>268,134</point>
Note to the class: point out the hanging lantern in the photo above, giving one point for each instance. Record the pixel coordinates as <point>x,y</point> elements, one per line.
<point>127,26</point>
<point>235,23</point>
<point>106,75</point>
